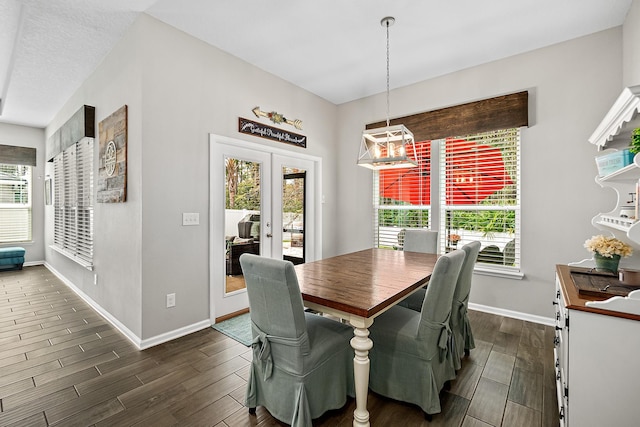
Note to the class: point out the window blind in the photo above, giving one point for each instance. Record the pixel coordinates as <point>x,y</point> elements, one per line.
<point>480,195</point>
<point>15,203</point>
<point>73,202</point>
<point>403,199</point>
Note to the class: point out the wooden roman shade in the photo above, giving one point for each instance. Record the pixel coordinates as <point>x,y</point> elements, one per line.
<point>11,155</point>
<point>501,112</point>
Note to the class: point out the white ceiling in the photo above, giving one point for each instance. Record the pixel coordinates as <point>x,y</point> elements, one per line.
<point>333,48</point>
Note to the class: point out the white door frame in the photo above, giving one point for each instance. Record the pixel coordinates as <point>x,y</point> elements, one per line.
<point>220,303</point>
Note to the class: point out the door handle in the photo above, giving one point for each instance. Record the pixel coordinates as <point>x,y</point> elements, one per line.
<point>269,235</point>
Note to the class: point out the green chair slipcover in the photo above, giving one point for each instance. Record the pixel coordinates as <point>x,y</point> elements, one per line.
<point>421,240</point>
<point>411,358</point>
<point>425,241</point>
<point>460,325</point>
<point>302,363</point>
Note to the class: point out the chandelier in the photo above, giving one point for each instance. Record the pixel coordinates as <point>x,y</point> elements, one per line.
<point>389,147</point>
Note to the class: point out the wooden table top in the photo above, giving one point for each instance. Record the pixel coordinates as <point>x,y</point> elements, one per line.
<point>366,282</point>
<point>577,301</point>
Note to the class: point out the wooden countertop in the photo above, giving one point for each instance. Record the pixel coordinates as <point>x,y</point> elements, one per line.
<point>576,301</point>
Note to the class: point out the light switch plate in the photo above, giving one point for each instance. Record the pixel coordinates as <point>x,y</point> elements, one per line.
<point>190,218</point>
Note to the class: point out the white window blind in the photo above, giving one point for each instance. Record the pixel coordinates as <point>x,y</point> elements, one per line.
<point>402,199</point>
<point>73,202</point>
<point>15,203</point>
<point>480,196</point>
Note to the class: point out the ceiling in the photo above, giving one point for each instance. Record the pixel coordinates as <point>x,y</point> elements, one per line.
<point>335,49</point>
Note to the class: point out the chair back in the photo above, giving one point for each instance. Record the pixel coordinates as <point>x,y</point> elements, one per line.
<point>436,307</point>
<point>421,240</point>
<point>275,301</point>
<point>463,287</point>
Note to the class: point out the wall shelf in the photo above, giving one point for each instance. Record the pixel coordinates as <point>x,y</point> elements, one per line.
<point>625,110</point>
<point>614,133</point>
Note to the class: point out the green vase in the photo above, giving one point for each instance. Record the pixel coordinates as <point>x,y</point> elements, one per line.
<point>607,264</point>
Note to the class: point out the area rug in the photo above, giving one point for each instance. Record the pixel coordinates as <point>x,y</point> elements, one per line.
<point>238,328</point>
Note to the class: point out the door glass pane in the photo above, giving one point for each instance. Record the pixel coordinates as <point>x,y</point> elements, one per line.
<point>242,217</point>
<point>293,216</point>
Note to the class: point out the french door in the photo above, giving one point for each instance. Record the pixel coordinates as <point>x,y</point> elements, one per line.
<point>262,201</point>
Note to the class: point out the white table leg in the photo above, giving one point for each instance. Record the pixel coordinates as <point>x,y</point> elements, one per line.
<point>361,344</point>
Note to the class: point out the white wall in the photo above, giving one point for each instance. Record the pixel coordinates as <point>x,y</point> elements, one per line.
<point>202,90</point>
<point>23,136</point>
<point>117,226</point>
<point>631,46</point>
<point>571,86</point>
<point>178,91</point>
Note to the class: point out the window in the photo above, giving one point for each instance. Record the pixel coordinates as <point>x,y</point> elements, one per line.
<point>467,183</point>
<point>402,199</point>
<point>475,197</point>
<point>480,197</point>
<point>15,203</point>
<point>73,202</point>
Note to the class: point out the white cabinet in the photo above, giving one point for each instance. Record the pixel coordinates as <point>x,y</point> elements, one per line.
<point>597,357</point>
<point>614,133</point>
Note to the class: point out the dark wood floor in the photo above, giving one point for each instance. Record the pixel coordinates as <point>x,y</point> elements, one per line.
<point>61,364</point>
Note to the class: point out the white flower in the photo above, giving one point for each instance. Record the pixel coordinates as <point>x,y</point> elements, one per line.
<point>608,246</point>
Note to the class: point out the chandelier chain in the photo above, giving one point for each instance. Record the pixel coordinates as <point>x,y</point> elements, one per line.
<point>387,72</point>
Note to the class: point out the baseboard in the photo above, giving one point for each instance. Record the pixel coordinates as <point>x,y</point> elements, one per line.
<point>177,333</point>
<point>135,340</point>
<point>513,314</point>
<point>33,263</point>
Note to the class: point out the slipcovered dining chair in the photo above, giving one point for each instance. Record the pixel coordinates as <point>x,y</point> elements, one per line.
<point>421,240</point>
<point>460,325</point>
<point>411,358</point>
<point>302,363</point>
<point>425,241</point>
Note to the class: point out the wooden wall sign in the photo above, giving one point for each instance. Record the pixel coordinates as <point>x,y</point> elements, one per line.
<point>112,170</point>
<point>264,131</point>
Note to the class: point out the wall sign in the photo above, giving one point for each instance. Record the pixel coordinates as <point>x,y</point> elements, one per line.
<point>264,131</point>
<point>112,172</point>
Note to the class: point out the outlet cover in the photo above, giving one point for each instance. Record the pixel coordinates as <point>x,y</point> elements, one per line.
<point>171,300</point>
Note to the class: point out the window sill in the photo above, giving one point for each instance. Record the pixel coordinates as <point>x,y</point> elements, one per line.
<point>72,257</point>
<point>496,272</point>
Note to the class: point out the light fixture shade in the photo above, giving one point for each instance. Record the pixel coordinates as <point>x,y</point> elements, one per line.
<point>391,147</point>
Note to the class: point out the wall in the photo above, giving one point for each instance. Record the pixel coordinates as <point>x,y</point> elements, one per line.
<point>117,227</point>
<point>203,90</point>
<point>631,46</point>
<point>178,91</point>
<point>571,86</point>
<point>23,136</point>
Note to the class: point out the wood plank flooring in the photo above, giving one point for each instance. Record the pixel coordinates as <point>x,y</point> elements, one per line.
<point>61,364</point>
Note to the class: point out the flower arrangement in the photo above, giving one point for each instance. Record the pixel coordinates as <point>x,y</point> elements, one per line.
<point>608,246</point>
<point>454,238</point>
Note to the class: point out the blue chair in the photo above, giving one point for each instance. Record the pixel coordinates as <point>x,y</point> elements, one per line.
<point>425,241</point>
<point>421,240</point>
<point>302,363</point>
<point>411,358</point>
<point>460,325</point>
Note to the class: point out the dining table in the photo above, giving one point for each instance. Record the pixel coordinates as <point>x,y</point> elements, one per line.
<point>357,287</point>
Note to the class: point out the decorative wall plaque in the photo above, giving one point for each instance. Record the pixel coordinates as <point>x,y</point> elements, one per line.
<point>264,131</point>
<point>112,170</point>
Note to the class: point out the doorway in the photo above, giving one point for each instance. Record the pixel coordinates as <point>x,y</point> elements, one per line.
<point>263,201</point>
<point>293,214</point>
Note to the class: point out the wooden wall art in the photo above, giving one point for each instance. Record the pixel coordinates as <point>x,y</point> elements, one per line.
<point>112,170</point>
